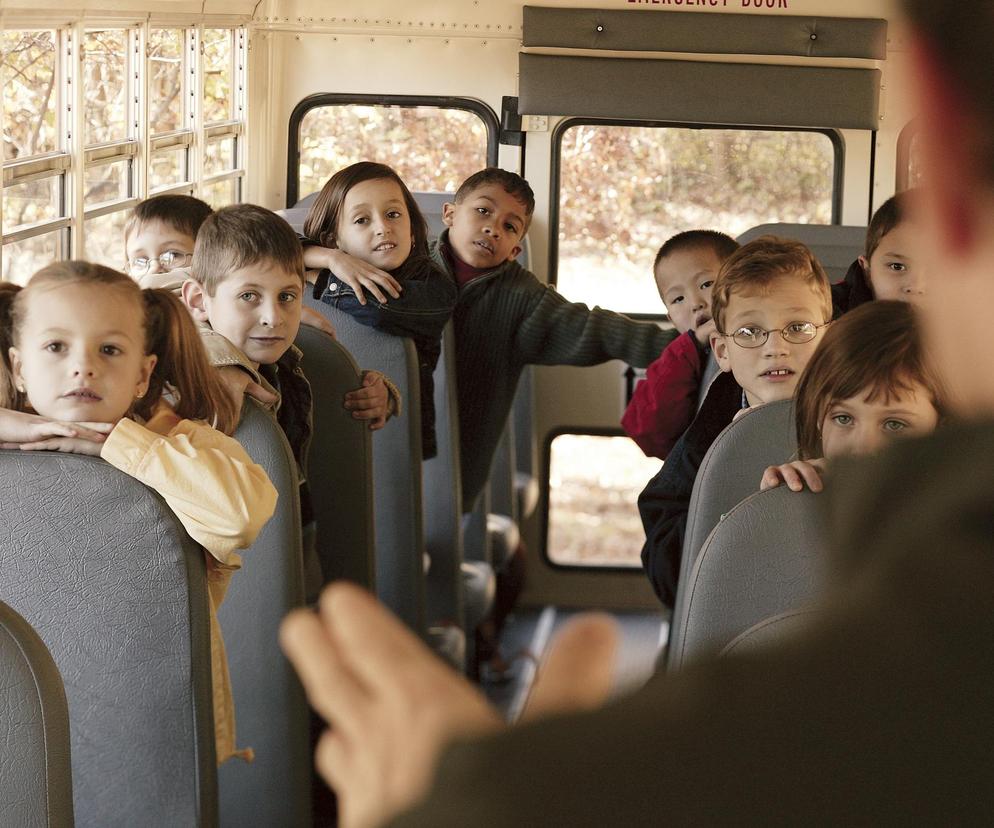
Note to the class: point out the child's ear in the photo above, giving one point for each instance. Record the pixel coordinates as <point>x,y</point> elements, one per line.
<point>448,213</point>
<point>719,347</point>
<point>148,366</point>
<point>865,264</point>
<point>515,252</point>
<point>195,298</point>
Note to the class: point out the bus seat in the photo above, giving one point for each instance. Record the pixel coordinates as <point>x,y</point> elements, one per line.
<point>730,472</point>
<point>340,465</point>
<point>836,246</point>
<point>104,572</point>
<point>769,631</point>
<point>763,559</point>
<point>295,217</point>
<point>306,202</point>
<point>443,500</point>
<point>478,567</point>
<point>525,449</point>
<point>397,484</point>
<point>35,776</point>
<point>271,711</point>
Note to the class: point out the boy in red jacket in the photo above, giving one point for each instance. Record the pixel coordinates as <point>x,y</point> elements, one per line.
<point>664,404</point>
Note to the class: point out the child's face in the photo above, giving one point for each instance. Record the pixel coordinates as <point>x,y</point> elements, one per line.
<point>684,279</point>
<point>81,354</point>
<point>486,228</point>
<point>894,270</point>
<point>770,372</point>
<point>375,224</point>
<point>861,426</point>
<point>257,308</point>
<point>153,240</point>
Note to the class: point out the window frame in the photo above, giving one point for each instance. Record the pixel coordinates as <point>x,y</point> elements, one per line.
<point>838,175</point>
<point>907,136</point>
<point>477,107</point>
<point>545,500</point>
<point>74,158</point>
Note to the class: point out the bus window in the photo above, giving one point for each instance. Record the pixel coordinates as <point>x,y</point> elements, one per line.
<point>71,175</point>
<point>625,189</point>
<point>433,148</point>
<point>594,483</point>
<point>34,161</point>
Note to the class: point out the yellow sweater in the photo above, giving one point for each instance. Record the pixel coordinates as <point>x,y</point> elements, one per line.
<point>222,499</point>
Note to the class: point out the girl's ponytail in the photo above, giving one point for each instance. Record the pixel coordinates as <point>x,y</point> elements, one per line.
<point>195,390</point>
<point>10,397</point>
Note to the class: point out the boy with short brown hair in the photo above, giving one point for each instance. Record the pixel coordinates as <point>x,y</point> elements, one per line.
<point>770,304</point>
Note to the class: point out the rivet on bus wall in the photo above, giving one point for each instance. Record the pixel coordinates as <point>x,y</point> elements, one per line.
<point>814,36</point>
<point>600,28</point>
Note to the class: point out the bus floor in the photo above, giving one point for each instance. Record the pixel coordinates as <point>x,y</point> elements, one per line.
<point>529,631</point>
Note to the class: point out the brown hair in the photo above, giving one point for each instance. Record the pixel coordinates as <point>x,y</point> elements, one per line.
<point>720,243</point>
<point>888,216</point>
<point>960,35</point>
<point>182,370</point>
<point>876,349</point>
<point>321,224</point>
<point>512,183</point>
<point>184,213</point>
<point>761,262</point>
<point>242,235</point>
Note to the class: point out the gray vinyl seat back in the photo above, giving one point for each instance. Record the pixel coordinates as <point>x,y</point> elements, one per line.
<point>730,472</point>
<point>503,498</point>
<point>270,707</point>
<point>397,481</point>
<point>35,777</point>
<point>769,632</point>
<point>525,445</point>
<point>764,558</point>
<point>836,246</point>
<point>102,569</point>
<point>443,497</point>
<point>340,465</point>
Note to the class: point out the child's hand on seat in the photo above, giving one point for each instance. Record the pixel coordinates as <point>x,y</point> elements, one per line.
<point>357,274</point>
<point>313,319</point>
<point>17,428</point>
<point>703,333</point>
<point>795,474</point>
<point>371,402</point>
<point>239,384</point>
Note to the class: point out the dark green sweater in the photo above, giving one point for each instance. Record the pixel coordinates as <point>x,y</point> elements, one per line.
<point>507,319</point>
<point>880,714</point>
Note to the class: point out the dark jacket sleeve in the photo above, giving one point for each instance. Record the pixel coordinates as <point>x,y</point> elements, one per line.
<point>664,404</point>
<point>557,332</point>
<point>420,312</point>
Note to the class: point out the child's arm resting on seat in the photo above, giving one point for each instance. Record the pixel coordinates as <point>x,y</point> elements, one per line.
<point>220,496</point>
<point>356,273</point>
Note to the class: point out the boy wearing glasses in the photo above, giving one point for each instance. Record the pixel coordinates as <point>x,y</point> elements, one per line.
<point>770,304</point>
<point>160,235</point>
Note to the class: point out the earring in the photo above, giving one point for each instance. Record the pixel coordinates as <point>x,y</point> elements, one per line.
<point>140,394</point>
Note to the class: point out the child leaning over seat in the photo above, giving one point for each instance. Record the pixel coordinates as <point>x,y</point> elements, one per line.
<point>664,404</point>
<point>505,318</point>
<point>770,304</point>
<point>365,212</point>
<point>868,383</point>
<point>88,350</point>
